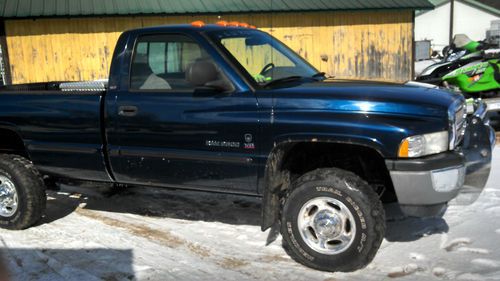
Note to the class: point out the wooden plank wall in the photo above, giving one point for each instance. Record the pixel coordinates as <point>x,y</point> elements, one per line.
<point>358,44</point>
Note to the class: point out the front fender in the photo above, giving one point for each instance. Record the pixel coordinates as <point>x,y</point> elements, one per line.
<point>365,141</point>
<point>277,179</point>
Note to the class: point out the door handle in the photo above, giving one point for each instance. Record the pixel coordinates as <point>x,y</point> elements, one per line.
<point>127,110</point>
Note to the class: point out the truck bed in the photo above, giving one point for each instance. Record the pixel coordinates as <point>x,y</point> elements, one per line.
<point>60,124</point>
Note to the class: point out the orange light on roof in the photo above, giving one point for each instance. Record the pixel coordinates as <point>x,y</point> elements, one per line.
<point>243,24</point>
<point>233,23</point>
<point>198,23</point>
<point>252,26</point>
<point>221,23</point>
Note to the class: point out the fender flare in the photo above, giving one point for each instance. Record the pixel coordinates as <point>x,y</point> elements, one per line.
<point>275,178</point>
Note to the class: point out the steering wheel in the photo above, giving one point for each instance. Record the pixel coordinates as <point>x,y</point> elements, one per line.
<point>266,68</point>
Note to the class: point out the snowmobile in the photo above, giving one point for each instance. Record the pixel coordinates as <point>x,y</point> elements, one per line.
<point>461,52</point>
<point>478,79</point>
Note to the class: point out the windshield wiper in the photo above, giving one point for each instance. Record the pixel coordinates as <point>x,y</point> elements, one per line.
<point>323,76</point>
<point>283,80</point>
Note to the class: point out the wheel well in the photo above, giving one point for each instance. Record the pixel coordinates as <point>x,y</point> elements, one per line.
<point>289,161</point>
<point>11,143</point>
<point>363,161</point>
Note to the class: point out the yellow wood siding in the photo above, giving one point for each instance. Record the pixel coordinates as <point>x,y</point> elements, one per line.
<point>357,44</point>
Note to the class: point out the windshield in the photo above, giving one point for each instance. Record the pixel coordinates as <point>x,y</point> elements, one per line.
<point>262,56</point>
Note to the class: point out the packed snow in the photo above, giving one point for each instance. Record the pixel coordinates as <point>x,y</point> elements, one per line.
<point>157,234</point>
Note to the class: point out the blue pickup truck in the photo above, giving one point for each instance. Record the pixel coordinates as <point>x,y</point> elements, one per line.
<point>228,108</point>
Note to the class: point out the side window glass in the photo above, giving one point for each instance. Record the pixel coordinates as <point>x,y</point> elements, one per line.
<point>156,58</point>
<point>174,57</point>
<point>172,62</point>
<point>255,57</point>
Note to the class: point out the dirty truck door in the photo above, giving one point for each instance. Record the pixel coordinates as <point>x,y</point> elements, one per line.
<point>170,131</point>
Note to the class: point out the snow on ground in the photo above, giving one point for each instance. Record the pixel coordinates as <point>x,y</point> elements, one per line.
<point>154,234</point>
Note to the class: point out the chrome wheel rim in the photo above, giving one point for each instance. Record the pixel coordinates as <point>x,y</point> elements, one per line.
<point>8,197</point>
<point>326,225</point>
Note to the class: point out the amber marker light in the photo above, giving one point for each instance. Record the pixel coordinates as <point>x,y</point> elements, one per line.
<point>404,148</point>
<point>198,23</point>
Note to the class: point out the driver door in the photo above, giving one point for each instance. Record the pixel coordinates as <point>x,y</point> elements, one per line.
<point>172,131</point>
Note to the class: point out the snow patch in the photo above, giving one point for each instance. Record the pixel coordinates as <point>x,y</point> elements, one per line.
<point>401,271</point>
<point>455,243</point>
<point>438,271</point>
<point>486,263</point>
<point>494,211</point>
<point>417,256</point>
<point>242,237</point>
<point>474,250</point>
<point>471,277</point>
<point>66,271</point>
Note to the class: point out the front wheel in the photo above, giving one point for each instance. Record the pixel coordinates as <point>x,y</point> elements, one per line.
<point>332,220</point>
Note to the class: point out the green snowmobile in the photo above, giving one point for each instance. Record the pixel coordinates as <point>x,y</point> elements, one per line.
<point>461,52</point>
<point>479,79</point>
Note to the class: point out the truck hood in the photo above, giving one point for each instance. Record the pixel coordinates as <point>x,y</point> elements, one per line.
<point>366,96</point>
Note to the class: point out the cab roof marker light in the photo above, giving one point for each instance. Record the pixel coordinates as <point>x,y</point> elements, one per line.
<point>198,23</point>
<point>221,23</point>
<point>243,24</point>
<point>233,23</point>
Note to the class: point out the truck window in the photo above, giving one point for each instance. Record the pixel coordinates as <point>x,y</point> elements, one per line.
<point>255,58</point>
<point>262,56</point>
<point>160,62</point>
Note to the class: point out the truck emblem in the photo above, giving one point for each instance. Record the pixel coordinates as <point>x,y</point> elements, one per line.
<point>248,142</point>
<point>248,138</point>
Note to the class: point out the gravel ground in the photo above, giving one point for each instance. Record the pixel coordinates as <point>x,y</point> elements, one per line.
<point>155,234</point>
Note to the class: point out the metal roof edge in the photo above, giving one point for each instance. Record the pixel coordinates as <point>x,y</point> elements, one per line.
<point>196,14</point>
<point>482,6</point>
<point>473,3</point>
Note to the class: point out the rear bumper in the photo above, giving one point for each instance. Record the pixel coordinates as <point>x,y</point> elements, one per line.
<point>424,186</point>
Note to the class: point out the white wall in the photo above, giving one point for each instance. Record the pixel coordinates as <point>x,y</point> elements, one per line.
<point>434,24</point>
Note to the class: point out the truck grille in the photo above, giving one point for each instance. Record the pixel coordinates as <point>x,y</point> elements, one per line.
<point>459,123</point>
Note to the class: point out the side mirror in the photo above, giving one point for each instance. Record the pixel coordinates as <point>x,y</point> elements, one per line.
<point>221,85</point>
<point>217,88</point>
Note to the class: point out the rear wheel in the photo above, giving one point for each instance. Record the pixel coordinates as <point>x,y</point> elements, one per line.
<point>22,193</point>
<point>332,220</point>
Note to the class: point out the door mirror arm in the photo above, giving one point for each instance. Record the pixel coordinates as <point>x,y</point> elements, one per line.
<point>214,88</point>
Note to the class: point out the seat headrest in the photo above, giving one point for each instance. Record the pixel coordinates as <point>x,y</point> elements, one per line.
<point>201,72</point>
<point>140,65</point>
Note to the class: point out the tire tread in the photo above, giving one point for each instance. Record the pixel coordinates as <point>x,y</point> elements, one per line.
<point>372,200</point>
<point>31,181</point>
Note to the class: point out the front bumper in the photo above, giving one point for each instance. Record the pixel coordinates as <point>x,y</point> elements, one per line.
<point>493,104</point>
<point>424,186</point>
